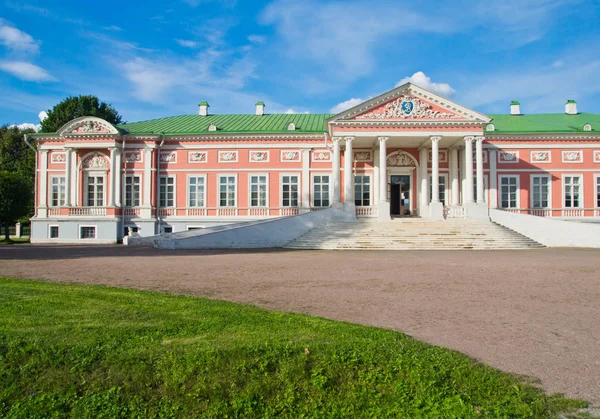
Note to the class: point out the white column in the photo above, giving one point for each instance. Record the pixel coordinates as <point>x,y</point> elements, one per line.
<point>479,162</point>
<point>118,177</point>
<point>375,189</point>
<point>74,175</point>
<point>68,176</point>
<point>423,161</point>
<point>384,203</point>
<point>113,175</point>
<point>348,172</point>
<point>335,174</point>
<point>455,199</point>
<point>146,210</point>
<point>306,179</point>
<point>468,194</point>
<point>493,180</point>
<point>43,185</point>
<point>435,169</point>
<point>463,175</point>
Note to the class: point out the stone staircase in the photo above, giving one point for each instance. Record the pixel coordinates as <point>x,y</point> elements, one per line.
<point>412,234</point>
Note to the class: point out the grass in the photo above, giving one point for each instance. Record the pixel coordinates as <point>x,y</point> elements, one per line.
<point>15,240</point>
<point>84,351</point>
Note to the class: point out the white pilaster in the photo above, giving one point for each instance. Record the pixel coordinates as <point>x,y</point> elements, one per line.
<point>348,172</point>
<point>74,177</point>
<point>424,180</point>
<point>493,180</point>
<point>455,199</point>
<point>146,210</point>
<point>468,194</point>
<point>118,177</point>
<point>113,176</point>
<point>384,203</point>
<point>43,182</point>
<point>306,179</point>
<point>335,174</point>
<point>479,163</point>
<point>68,176</point>
<point>436,207</point>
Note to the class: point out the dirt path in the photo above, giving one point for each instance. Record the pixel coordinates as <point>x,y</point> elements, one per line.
<point>531,312</point>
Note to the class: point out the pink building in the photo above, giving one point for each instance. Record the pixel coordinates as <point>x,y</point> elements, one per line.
<point>407,152</point>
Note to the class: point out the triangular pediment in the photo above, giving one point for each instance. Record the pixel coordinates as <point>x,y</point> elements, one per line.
<point>409,103</point>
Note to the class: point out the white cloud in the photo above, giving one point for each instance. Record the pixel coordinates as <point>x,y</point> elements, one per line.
<point>42,115</point>
<point>27,125</point>
<point>113,28</point>
<point>422,80</point>
<point>26,71</point>
<point>17,40</point>
<point>186,43</point>
<point>257,39</point>
<point>558,64</point>
<point>347,104</point>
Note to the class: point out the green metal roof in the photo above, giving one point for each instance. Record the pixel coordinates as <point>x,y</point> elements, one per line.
<point>547,122</point>
<point>230,124</point>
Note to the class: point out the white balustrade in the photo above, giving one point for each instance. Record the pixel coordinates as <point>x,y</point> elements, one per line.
<point>196,212</point>
<point>541,212</point>
<point>166,212</point>
<point>573,212</point>
<point>227,212</point>
<point>87,211</point>
<point>454,211</point>
<point>288,211</point>
<point>53,212</point>
<point>131,211</point>
<point>259,212</point>
<point>366,211</point>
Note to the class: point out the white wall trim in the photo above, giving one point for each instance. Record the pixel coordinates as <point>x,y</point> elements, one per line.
<point>518,177</point>
<point>268,196</point>
<point>581,190</point>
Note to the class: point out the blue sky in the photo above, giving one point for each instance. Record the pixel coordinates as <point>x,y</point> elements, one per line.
<point>157,58</point>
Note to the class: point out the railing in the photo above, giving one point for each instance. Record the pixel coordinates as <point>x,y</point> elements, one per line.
<point>366,211</point>
<point>288,211</point>
<point>454,211</point>
<point>259,212</point>
<point>53,212</point>
<point>556,212</point>
<point>87,211</point>
<point>131,211</point>
<point>227,212</point>
<point>166,212</point>
<point>196,212</point>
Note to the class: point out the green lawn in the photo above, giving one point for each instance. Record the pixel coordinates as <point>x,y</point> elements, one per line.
<point>83,351</point>
<point>15,240</point>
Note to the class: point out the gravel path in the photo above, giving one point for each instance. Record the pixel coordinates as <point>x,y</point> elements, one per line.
<point>533,312</point>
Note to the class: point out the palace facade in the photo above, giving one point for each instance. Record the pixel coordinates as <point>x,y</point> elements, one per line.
<point>408,152</point>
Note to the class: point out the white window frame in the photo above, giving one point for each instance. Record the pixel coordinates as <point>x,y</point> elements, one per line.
<point>187,196</point>
<point>125,190</point>
<point>50,226</point>
<point>250,175</point>
<point>371,188</point>
<point>445,176</point>
<point>236,192</point>
<point>95,174</point>
<point>61,203</point>
<point>531,191</point>
<point>329,190</point>
<point>518,185</point>
<point>166,192</point>
<point>299,192</point>
<point>581,191</point>
<point>91,226</point>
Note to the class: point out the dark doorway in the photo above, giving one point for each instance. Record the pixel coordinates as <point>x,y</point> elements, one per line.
<point>400,195</point>
<point>395,199</point>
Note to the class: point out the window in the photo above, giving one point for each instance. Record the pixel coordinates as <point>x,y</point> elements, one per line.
<point>130,230</point>
<point>58,191</point>
<point>258,190</point>
<point>509,189</point>
<point>362,191</point>
<point>167,191</point>
<point>227,191</point>
<point>87,232</point>
<point>441,188</point>
<point>54,232</point>
<point>289,191</point>
<point>95,191</point>
<point>484,188</point>
<point>540,190</point>
<point>196,191</point>
<point>573,195</point>
<point>321,191</point>
<point>167,229</point>
<point>132,191</point>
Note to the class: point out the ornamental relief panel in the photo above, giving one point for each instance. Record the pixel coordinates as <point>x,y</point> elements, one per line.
<point>442,156</point>
<point>168,157</point>
<point>363,156</point>
<point>596,156</point>
<point>228,156</point>
<point>58,158</point>
<point>540,156</point>
<point>134,157</point>
<point>96,161</point>
<point>258,156</point>
<point>484,156</point>
<point>572,156</point>
<point>407,107</point>
<point>401,158</point>
<point>289,156</point>
<point>197,156</point>
<point>321,156</point>
<point>508,157</point>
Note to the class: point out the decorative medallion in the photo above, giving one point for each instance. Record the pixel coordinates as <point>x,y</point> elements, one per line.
<point>596,156</point>
<point>197,157</point>
<point>58,158</point>
<point>540,156</point>
<point>407,107</point>
<point>400,158</point>
<point>290,156</point>
<point>133,157</point>
<point>168,157</point>
<point>97,161</point>
<point>91,127</point>
<point>363,156</point>
<point>259,156</point>
<point>483,156</point>
<point>321,156</point>
<point>508,157</point>
<point>228,156</point>
<point>443,156</point>
<point>572,156</point>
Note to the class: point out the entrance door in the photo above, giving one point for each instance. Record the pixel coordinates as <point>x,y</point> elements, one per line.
<point>400,195</point>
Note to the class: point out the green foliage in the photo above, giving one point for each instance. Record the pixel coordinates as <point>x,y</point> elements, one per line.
<point>15,155</point>
<point>77,351</point>
<point>16,192</point>
<point>77,106</point>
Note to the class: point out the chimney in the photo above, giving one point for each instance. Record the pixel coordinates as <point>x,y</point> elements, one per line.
<point>515,108</point>
<point>571,107</point>
<point>260,108</point>
<point>203,108</point>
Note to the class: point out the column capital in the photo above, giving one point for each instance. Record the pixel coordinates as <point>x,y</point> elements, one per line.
<point>43,151</point>
<point>435,138</point>
<point>68,149</point>
<point>480,139</point>
<point>383,139</point>
<point>336,140</point>
<point>469,139</point>
<point>348,139</point>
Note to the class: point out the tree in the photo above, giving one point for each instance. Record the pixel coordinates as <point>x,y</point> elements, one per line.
<point>15,198</point>
<point>77,106</point>
<point>15,155</point>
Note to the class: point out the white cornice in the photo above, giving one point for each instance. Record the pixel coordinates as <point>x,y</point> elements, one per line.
<point>554,136</point>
